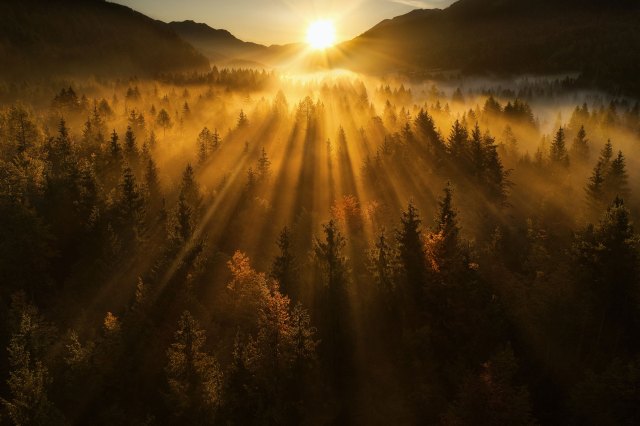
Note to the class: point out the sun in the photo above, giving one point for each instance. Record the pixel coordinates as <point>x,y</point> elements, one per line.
<point>321,34</point>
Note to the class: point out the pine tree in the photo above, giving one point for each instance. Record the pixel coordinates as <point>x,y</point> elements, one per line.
<point>595,189</point>
<point>203,145</point>
<point>279,357</point>
<point>130,146</point>
<point>114,146</point>
<point>477,154</point>
<point>190,189</point>
<point>458,143</point>
<point>411,254</point>
<point>580,147</point>
<point>243,121</point>
<point>164,121</point>
<point>264,165</point>
<point>87,202</point>
<point>329,255</point>
<point>284,265</point>
<point>608,265</point>
<point>616,179</point>
<point>382,264</point>
<point>152,139</point>
<point>509,142</point>
<point>495,177</point>
<point>605,155</point>
<point>152,187</point>
<point>194,378</point>
<point>252,179</point>
<point>183,227</point>
<point>407,133</point>
<point>215,141</point>
<point>336,327</point>
<point>446,253</point>
<point>427,132</point>
<point>29,379</point>
<point>558,153</point>
<point>61,156</point>
<point>130,204</point>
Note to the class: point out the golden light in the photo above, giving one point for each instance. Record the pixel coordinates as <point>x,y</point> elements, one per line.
<point>321,34</point>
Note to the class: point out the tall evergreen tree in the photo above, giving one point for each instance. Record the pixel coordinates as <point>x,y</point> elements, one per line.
<point>477,154</point>
<point>459,144</point>
<point>284,268</point>
<point>411,255</point>
<point>29,379</point>
<point>606,154</point>
<point>130,204</point>
<point>616,179</point>
<point>114,146</point>
<point>163,120</point>
<point>595,189</point>
<point>580,146</point>
<point>447,252</point>
<point>193,375</point>
<point>130,146</point>
<point>382,264</point>
<point>264,165</point>
<point>558,153</point>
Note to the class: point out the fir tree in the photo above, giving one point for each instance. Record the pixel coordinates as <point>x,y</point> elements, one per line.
<point>264,165</point>
<point>558,153</point>
<point>194,378</point>
<point>284,266</point>
<point>595,189</point>
<point>382,264</point>
<point>130,146</point>
<point>616,179</point>
<point>114,146</point>
<point>411,254</point>
<point>243,121</point>
<point>580,147</point>
<point>458,143</point>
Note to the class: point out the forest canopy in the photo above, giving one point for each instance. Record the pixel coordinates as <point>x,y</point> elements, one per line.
<point>249,247</point>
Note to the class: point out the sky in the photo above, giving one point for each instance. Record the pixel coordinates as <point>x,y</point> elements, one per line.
<point>280,21</point>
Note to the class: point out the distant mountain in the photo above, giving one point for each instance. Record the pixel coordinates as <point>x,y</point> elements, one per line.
<point>600,40</point>
<point>218,45</point>
<point>223,48</point>
<point>75,37</point>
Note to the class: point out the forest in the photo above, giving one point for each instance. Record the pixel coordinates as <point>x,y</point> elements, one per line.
<point>242,247</point>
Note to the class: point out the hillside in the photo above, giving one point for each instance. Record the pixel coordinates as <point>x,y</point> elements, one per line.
<point>598,40</point>
<point>217,45</point>
<point>73,37</point>
<point>224,49</point>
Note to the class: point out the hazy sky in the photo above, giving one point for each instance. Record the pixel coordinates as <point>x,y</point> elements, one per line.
<point>280,21</point>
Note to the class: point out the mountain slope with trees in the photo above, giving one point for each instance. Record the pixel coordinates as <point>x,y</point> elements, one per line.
<point>65,37</point>
<point>600,41</point>
<point>216,44</point>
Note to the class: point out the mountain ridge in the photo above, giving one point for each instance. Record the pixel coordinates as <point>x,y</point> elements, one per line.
<point>218,45</point>
<point>599,41</point>
<point>90,37</point>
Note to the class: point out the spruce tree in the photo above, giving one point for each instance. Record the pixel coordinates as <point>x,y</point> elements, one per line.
<point>558,153</point>
<point>411,254</point>
<point>459,144</point>
<point>264,165</point>
<point>616,179</point>
<point>580,147</point>
<point>193,375</point>
<point>595,189</point>
<point>284,266</point>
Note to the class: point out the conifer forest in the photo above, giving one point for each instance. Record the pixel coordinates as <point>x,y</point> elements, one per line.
<point>244,246</point>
